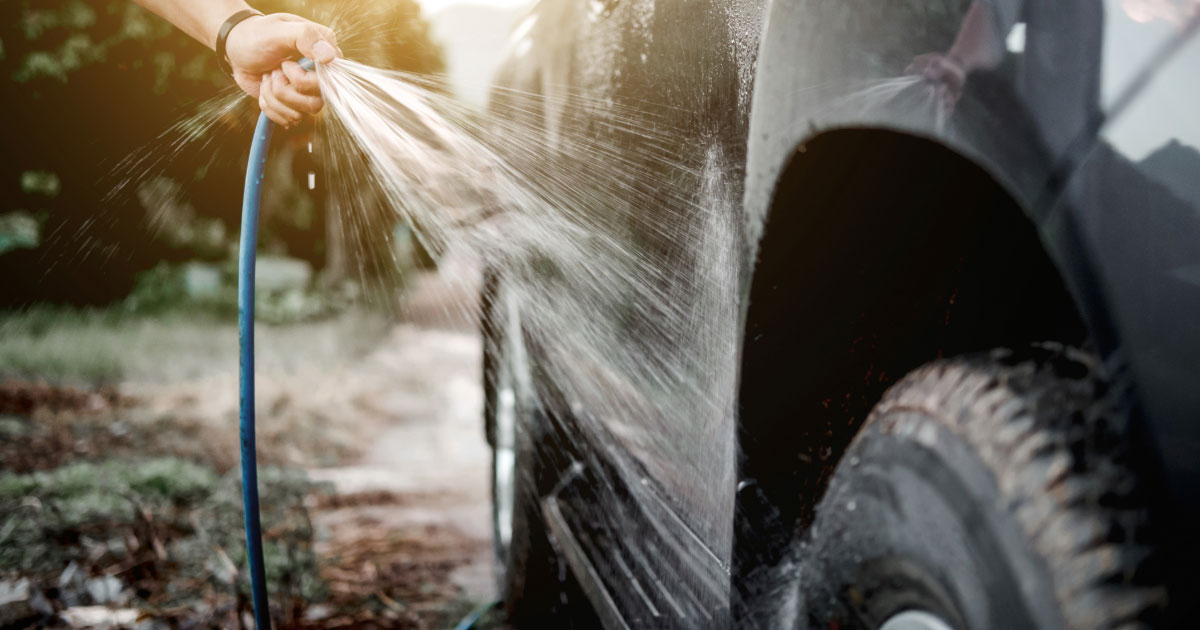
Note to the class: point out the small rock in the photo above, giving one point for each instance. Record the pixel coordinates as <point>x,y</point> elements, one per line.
<point>69,576</point>
<point>105,590</point>
<point>317,612</point>
<point>98,617</point>
<point>40,603</point>
<point>95,402</point>
<point>72,585</point>
<point>16,601</point>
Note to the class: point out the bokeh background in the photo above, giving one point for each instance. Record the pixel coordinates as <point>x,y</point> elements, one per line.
<point>120,189</point>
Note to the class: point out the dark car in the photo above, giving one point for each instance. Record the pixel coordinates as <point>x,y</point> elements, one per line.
<point>913,335</point>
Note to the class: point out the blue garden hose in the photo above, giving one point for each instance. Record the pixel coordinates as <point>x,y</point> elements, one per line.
<point>251,199</point>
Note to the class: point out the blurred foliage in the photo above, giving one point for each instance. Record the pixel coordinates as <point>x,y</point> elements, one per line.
<point>18,230</point>
<point>86,83</point>
<point>40,182</point>
<point>157,289</point>
<point>165,288</point>
<point>168,528</point>
<point>100,346</point>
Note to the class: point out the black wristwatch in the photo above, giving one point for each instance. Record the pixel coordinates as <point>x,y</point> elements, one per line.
<point>223,35</point>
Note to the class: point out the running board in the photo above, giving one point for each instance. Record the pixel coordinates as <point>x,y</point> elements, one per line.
<point>638,563</point>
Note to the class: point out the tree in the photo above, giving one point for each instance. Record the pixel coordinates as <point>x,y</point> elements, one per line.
<point>88,82</point>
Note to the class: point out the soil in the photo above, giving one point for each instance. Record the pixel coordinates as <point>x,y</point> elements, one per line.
<point>411,514</point>
<point>404,538</point>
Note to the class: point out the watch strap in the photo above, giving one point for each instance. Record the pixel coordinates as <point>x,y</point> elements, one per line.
<point>223,36</point>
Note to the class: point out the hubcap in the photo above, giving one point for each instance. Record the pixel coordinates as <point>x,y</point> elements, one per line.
<point>915,620</point>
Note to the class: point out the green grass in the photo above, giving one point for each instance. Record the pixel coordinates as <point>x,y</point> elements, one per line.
<point>173,515</point>
<point>105,346</point>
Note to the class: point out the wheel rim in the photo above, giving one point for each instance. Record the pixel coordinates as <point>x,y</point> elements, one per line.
<point>915,620</point>
<point>504,461</point>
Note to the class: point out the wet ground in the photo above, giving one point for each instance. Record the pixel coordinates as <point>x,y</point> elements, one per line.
<point>423,475</point>
<point>393,427</point>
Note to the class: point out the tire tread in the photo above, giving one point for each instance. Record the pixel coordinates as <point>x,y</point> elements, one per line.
<point>1053,432</point>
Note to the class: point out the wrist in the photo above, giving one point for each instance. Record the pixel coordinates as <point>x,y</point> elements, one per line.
<point>232,25</point>
<point>217,13</point>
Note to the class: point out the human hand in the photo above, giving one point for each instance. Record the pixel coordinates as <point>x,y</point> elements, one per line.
<point>261,51</point>
<point>945,72</point>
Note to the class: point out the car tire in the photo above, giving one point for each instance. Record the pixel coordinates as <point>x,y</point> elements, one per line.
<point>986,493</point>
<point>529,575</point>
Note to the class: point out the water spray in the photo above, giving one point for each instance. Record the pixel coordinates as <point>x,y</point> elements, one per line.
<point>247,250</point>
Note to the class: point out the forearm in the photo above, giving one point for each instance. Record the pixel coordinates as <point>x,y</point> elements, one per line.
<point>199,18</point>
<point>260,53</point>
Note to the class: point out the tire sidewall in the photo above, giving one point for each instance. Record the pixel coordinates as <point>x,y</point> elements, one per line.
<point>913,520</point>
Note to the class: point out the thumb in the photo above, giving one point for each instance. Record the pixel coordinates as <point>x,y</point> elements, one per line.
<point>919,63</point>
<point>315,42</point>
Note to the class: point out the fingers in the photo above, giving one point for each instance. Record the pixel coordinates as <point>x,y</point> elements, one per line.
<point>949,72</point>
<point>920,63</point>
<point>286,101</point>
<point>941,70</point>
<point>288,94</point>
<point>278,112</point>
<point>314,41</point>
<point>302,80</point>
<point>949,77</point>
<point>328,33</point>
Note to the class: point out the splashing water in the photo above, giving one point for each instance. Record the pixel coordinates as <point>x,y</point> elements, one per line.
<point>617,247</point>
<point>626,292</point>
<point>908,100</point>
<point>614,237</point>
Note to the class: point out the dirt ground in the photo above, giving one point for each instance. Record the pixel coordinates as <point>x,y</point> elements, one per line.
<point>393,427</point>
<point>422,478</point>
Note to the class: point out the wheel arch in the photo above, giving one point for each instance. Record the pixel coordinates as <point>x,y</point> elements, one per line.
<point>881,250</point>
